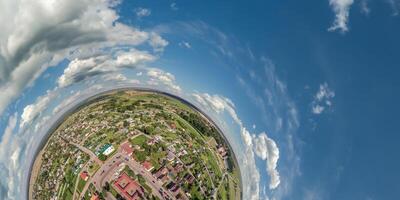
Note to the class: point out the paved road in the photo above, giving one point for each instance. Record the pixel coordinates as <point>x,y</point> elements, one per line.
<point>87,151</point>
<point>155,185</point>
<point>109,167</point>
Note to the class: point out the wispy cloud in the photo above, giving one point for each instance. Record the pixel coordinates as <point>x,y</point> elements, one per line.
<point>173,6</point>
<point>365,7</point>
<point>8,164</point>
<point>395,6</point>
<point>341,9</point>
<point>142,12</point>
<point>322,99</point>
<point>185,44</point>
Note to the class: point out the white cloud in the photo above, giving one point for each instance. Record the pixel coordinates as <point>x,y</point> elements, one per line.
<point>322,99</point>
<point>157,42</point>
<point>185,44</point>
<point>9,160</point>
<point>266,149</point>
<point>81,69</point>
<point>142,12</point>
<point>173,6</point>
<point>158,76</point>
<point>317,109</point>
<point>66,102</point>
<point>12,122</point>
<point>364,7</point>
<point>342,11</point>
<point>218,104</point>
<point>250,173</point>
<point>34,110</point>
<point>394,5</point>
<point>36,35</point>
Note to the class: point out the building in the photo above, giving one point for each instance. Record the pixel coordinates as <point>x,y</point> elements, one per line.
<point>84,176</point>
<point>170,156</point>
<point>127,148</point>
<point>147,165</point>
<point>107,149</point>
<point>128,188</point>
<point>95,197</point>
<point>222,152</point>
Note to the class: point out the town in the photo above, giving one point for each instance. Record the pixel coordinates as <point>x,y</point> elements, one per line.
<point>135,145</point>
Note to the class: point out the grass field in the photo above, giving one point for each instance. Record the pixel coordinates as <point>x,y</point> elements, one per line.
<point>81,185</point>
<point>139,140</point>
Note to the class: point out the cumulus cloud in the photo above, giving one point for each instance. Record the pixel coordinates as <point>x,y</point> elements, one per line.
<point>266,149</point>
<point>158,76</point>
<point>32,111</point>
<point>157,42</point>
<point>341,9</point>
<point>142,12</point>
<point>250,173</point>
<point>218,104</point>
<point>322,99</point>
<point>39,34</point>
<point>82,69</point>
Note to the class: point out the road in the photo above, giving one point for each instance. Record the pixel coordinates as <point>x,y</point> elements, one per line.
<point>87,151</point>
<point>155,184</point>
<point>109,167</point>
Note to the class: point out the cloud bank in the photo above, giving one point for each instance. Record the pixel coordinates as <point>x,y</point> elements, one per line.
<point>39,34</point>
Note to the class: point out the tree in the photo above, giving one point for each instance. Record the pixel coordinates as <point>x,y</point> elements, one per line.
<point>107,186</point>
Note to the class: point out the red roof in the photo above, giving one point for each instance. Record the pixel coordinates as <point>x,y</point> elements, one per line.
<point>131,189</point>
<point>84,175</point>
<point>126,148</point>
<point>147,165</point>
<point>95,197</point>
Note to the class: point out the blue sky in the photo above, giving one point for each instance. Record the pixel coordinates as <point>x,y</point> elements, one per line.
<point>306,92</point>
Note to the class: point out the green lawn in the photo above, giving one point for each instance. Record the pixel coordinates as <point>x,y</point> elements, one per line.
<point>81,185</point>
<point>139,140</point>
<point>222,193</point>
<point>93,168</point>
<point>211,160</point>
